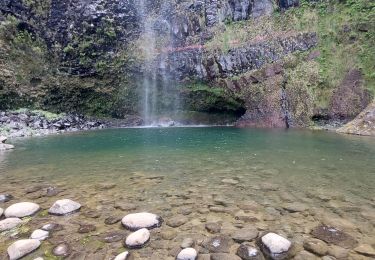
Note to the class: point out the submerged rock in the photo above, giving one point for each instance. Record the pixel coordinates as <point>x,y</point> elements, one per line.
<point>138,239</point>
<point>61,250</point>
<point>9,223</point>
<point>4,147</point>
<point>275,246</point>
<point>112,237</point>
<point>316,246</point>
<point>52,227</point>
<point>187,242</point>
<point>334,236</point>
<point>137,221</point>
<point>224,256</point>
<point>245,234</point>
<point>64,207</point>
<point>112,220</point>
<point>177,221</point>
<point>122,256</point>
<point>248,252</point>
<point>39,234</point>
<point>5,198</point>
<point>86,228</point>
<point>22,209</point>
<point>366,250</point>
<point>218,244</point>
<point>187,254</point>
<point>23,247</point>
<point>213,227</point>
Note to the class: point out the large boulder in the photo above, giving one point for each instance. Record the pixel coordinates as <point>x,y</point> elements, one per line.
<point>22,209</point>
<point>64,207</point>
<point>141,220</point>
<point>23,247</point>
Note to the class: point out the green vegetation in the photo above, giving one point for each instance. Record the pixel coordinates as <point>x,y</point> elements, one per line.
<point>205,98</point>
<point>345,30</point>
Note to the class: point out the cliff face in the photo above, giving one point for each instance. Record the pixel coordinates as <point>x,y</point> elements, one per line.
<point>260,57</point>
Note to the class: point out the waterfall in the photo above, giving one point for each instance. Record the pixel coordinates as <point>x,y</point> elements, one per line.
<point>156,84</point>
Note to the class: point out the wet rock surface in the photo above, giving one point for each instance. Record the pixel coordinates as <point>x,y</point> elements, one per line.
<point>138,239</point>
<point>21,209</point>
<point>218,244</point>
<point>61,250</point>
<point>334,236</point>
<point>248,252</point>
<point>64,207</point>
<point>21,248</point>
<point>9,223</point>
<point>275,246</point>
<point>187,254</point>
<point>137,221</point>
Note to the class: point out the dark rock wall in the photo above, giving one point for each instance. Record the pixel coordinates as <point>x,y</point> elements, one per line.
<point>82,55</point>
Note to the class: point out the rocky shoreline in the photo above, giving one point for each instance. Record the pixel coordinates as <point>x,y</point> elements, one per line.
<point>25,122</point>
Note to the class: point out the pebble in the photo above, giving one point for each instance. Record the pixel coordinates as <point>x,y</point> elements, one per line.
<point>248,252</point>
<point>338,252</point>
<point>52,227</point>
<point>1,212</point>
<point>122,256</point>
<point>224,256</point>
<point>275,245</point>
<point>64,207</point>
<point>125,206</point>
<point>22,209</point>
<point>39,234</point>
<point>245,234</point>
<point>86,228</point>
<point>112,220</point>
<point>295,207</point>
<point>21,248</point>
<point>177,221</point>
<point>138,239</point>
<point>229,181</point>
<point>187,242</point>
<point>137,221</point>
<point>9,223</point>
<point>365,249</point>
<point>304,255</point>
<point>213,227</point>
<point>112,237</point>
<point>5,198</point>
<point>316,246</point>
<point>187,254</point>
<point>61,250</point>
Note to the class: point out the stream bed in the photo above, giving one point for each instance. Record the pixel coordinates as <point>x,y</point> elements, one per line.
<point>203,182</point>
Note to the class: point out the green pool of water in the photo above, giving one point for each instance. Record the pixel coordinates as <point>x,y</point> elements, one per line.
<point>164,169</point>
